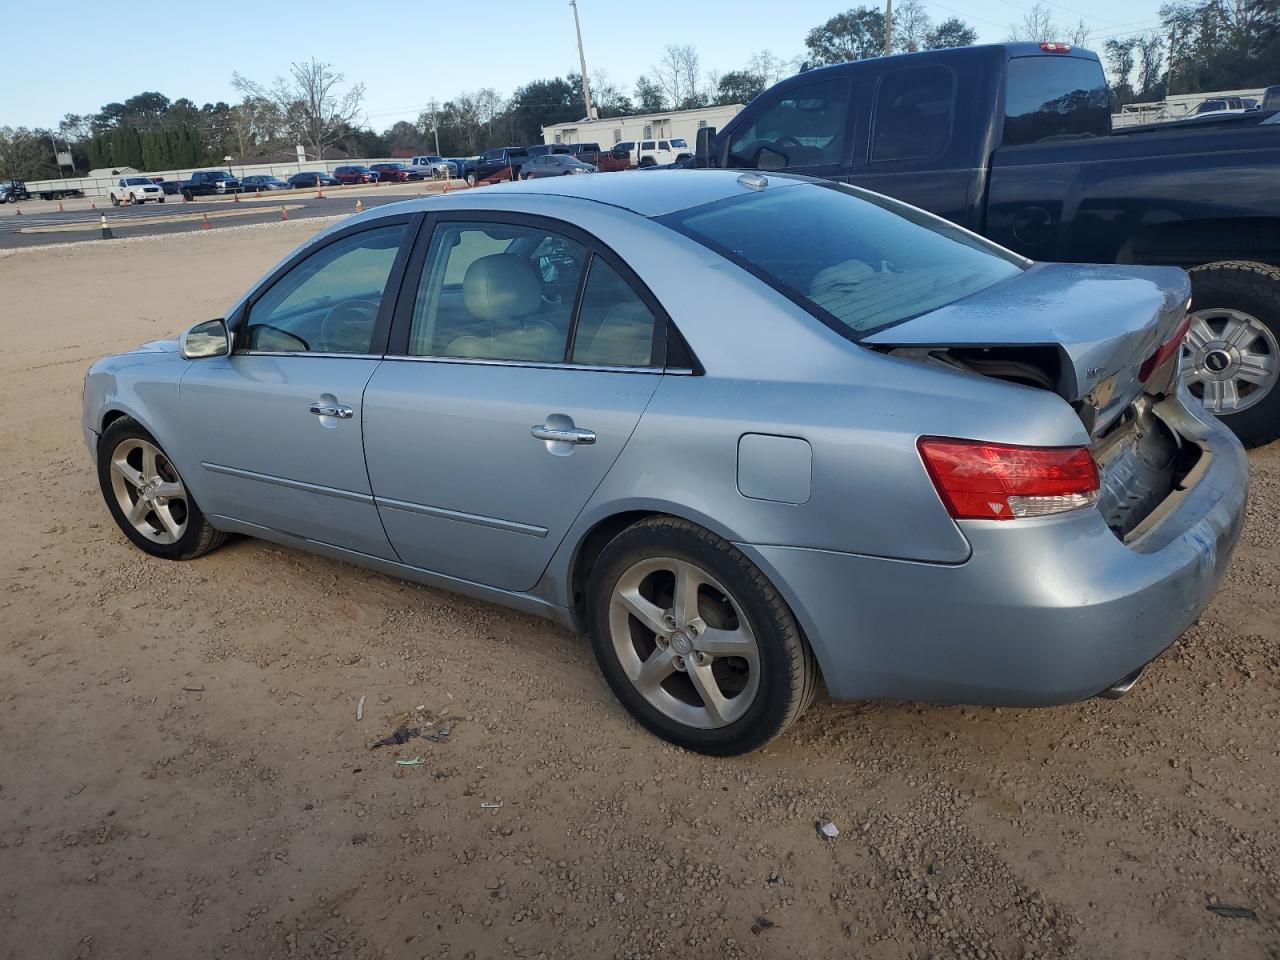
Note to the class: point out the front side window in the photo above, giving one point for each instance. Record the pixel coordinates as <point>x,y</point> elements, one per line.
<point>805,127</point>
<point>492,291</point>
<point>857,261</point>
<point>663,145</point>
<point>329,302</point>
<point>914,110</point>
<point>1053,97</point>
<point>680,144</point>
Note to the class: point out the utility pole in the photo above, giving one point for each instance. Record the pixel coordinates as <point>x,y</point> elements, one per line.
<point>435,125</point>
<point>582,60</point>
<point>888,27</point>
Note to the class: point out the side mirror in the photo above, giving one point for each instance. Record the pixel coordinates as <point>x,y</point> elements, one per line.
<point>702,147</point>
<point>208,339</point>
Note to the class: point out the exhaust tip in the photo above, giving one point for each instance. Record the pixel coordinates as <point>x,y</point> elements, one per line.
<point>1122,686</point>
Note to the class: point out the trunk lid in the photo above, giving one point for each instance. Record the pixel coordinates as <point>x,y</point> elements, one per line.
<point>1101,322</point>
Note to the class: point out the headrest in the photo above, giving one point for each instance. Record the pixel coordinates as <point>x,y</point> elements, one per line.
<point>501,286</point>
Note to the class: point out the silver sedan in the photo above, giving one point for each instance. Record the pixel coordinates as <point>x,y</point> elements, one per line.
<point>749,433</point>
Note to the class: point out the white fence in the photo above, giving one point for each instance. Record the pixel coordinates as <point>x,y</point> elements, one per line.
<point>100,186</point>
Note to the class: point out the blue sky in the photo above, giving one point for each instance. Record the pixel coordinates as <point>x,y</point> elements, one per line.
<point>406,53</point>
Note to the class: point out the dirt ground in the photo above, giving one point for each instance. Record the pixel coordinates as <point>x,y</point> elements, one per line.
<point>182,773</point>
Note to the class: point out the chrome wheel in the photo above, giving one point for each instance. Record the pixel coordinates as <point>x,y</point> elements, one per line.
<point>684,642</point>
<point>149,491</point>
<point>1230,359</point>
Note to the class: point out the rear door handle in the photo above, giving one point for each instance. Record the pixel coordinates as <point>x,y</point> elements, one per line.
<point>338,410</point>
<point>563,434</point>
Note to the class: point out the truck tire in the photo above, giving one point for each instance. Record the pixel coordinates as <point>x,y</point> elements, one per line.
<point>11,198</point>
<point>471,178</point>
<point>115,201</point>
<point>1231,357</point>
<point>186,195</point>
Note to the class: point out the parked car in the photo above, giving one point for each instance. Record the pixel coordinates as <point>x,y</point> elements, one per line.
<point>1271,98</point>
<point>1015,141</point>
<point>873,448</point>
<point>205,183</point>
<point>135,190</point>
<point>544,149</point>
<point>170,187</point>
<point>500,162</point>
<point>311,178</point>
<point>355,173</point>
<point>655,153</point>
<point>554,165</point>
<point>396,173</point>
<point>262,182</point>
<point>586,152</point>
<point>1221,105</point>
<point>438,168</point>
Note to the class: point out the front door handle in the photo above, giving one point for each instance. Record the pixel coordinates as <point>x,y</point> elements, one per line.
<point>563,434</point>
<point>338,410</point>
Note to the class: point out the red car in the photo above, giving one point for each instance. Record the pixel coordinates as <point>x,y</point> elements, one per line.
<point>396,172</point>
<point>355,174</point>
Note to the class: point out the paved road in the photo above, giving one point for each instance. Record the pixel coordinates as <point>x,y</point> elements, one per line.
<point>42,225</point>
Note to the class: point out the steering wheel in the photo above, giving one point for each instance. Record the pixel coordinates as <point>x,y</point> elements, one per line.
<point>348,327</point>
<point>787,141</point>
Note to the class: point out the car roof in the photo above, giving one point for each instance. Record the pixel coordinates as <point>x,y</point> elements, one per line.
<point>647,193</point>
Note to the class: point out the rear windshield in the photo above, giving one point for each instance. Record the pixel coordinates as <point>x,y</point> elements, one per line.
<point>1053,98</point>
<point>857,261</point>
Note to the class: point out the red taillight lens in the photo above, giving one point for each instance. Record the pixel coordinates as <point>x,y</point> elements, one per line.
<point>1053,47</point>
<point>994,481</point>
<point>1161,356</point>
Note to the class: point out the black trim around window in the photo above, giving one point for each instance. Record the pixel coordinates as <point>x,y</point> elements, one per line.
<point>390,291</point>
<point>410,280</point>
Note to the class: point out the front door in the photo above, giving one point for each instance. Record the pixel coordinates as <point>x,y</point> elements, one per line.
<point>277,425</point>
<point>804,129</point>
<point>527,359</point>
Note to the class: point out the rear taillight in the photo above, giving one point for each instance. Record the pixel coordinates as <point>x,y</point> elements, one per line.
<point>1050,46</point>
<point>995,481</point>
<point>1161,356</point>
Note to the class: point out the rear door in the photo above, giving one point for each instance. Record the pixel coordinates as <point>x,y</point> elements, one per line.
<point>523,356</point>
<point>278,423</point>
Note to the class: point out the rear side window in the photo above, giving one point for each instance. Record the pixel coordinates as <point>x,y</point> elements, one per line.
<point>914,112</point>
<point>1054,97</point>
<point>857,261</point>
<point>805,127</point>
<point>615,328</point>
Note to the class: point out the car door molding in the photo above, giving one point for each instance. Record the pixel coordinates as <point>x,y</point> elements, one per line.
<point>398,343</point>
<point>336,492</point>
<point>497,523</point>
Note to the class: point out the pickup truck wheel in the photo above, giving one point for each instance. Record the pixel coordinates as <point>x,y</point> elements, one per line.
<point>1231,356</point>
<point>115,201</point>
<point>147,497</point>
<point>471,179</point>
<point>162,200</point>
<point>186,195</point>
<point>694,640</point>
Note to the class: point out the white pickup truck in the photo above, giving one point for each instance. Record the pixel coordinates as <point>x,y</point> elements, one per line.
<point>136,190</point>
<point>656,153</point>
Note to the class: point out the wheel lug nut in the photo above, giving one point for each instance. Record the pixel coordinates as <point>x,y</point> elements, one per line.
<point>677,662</point>
<point>700,658</point>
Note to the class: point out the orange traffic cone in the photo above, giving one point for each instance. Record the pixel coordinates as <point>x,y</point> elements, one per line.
<point>60,210</point>
<point>319,190</point>
<point>18,212</point>
<point>359,206</point>
<point>235,198</point>
<point>205,225</point>
<point>284,214</point>
<point>92,205</point>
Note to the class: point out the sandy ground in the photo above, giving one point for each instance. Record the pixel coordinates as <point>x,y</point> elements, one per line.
<point>182,773</point>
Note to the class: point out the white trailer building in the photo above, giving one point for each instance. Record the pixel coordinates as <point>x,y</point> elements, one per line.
<point>644,126</point>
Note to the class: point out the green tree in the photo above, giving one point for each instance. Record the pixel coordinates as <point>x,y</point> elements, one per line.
<point>1119,55</point>
<point>649,97</point>
<point>855,34</point>
<point>952,32</point>
<point>26,154</point>
<point>739,86</point>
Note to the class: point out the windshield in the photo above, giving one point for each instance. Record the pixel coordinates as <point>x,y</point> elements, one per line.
<point>679,143</point>
<point>856,261</point>
<point>139,182</point>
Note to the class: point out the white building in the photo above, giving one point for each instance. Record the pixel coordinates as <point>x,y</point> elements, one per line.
<point>644,126</point>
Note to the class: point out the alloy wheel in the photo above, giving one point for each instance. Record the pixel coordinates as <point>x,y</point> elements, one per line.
<point>148,490</point>
<point>1231,360</point>
<point>684,642</point>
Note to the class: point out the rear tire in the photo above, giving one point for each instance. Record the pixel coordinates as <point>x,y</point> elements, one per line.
<point>694,641</point>
<point>1231,357</point>
<point>147,498</point>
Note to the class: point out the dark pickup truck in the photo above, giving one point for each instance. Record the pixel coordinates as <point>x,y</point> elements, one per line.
<point>1014,142</point>
<point>494,164</point>
<point>204,183</point>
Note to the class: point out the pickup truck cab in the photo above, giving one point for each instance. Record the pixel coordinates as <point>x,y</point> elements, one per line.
<point>11,191</point>
<point>204,183</point>
<point>135,190</point>
<point>656,153</point>
<point>500,163</point>
<point>1014,142</point>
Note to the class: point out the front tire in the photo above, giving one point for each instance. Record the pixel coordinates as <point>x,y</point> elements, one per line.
<point>147,498</point>
<point>115,201</point>
<point>1231,355</point>
<point>694,640</point>
<point>471,179</point>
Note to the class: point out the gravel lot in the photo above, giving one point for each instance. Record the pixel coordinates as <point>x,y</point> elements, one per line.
<point>182,773</point>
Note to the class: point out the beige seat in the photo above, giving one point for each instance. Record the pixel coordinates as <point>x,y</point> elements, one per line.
<point>625,338</point>
<point>503,291</point>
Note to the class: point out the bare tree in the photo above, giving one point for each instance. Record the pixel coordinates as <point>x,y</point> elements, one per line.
<point>314,109</point>
<point>911,26</point>
<point>1037,25</point>
<point>1150,62</point>
<point>1079,34</point>
<point>770,66</point>
<point>463,113</point>
<point>679,74</point>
